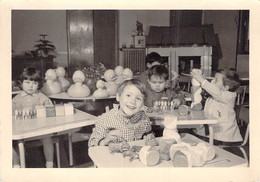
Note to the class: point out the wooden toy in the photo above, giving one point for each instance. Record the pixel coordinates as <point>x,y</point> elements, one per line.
<point>50,111</point>
<point>52,86</point>
<point>149,156</point>
<point>78,89</point>
<point>60,71</point>
<point>44,111</point>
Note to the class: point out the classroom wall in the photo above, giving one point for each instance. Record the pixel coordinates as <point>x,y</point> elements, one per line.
<point>127,24</point>
<point>226,27</point>
<point>28,24</point>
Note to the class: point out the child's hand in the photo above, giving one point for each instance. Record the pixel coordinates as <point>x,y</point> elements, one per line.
<point>111,136</point>
<point>197,74</point>
<point>149,136</point>
<point>175,75</point>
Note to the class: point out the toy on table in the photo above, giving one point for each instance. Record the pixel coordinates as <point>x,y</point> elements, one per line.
<point>170,136</point>
<point>78,89</point>
<point>163,105</point>
<point>44,111</point>
<point>119,74</point>
<point>196,92</point>
<point>52,86</point>
<point>101,92</point>
<point>111,86</point>
<point>185,155</point>
<point>60,71</point>
<point>183,110</point>
<point>127,74</point>
<point>149,155</point>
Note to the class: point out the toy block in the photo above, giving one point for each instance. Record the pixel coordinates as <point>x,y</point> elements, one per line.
<point>59,109</point>
<point>50,111</point>
<point>69,110</point>
<point>40,111</point>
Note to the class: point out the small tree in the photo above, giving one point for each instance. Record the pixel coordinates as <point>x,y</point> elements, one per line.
<point>45,48</point>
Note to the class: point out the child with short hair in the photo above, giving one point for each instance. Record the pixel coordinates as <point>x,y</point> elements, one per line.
<point>220,104</point>
<point>127,121</point>
<point>157,90</point>
<point>31,83</point>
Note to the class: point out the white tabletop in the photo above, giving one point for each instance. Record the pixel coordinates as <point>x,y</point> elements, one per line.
<point>28,128</point>
<point>194,117</point>
<point>102,157</point>
<point>65,96</point>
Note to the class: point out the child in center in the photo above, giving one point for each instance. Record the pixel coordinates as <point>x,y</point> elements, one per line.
<point>220,104</point>
<point>31,83</point>
<point>157,89</point>
<point>127,121</point>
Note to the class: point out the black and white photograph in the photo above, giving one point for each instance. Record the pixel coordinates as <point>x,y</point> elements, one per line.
<point>94,89</point>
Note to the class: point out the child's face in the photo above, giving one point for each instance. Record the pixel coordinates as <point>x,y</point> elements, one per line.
<point>218,81</point>
<point>30,87</point>
<point>131,100</point>
<point>157,83</point>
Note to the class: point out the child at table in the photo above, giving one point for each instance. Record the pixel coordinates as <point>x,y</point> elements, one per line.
<point>31,83</point>
<point>153,59</point>
<point>220,104</point>
<point>157,90</point>
<point>127,121</point>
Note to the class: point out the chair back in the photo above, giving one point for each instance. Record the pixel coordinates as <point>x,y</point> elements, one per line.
<point>241,92</point>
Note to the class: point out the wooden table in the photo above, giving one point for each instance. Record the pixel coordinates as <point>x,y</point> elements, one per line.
<point>65,96</point>
<point>190,121</point>
<point>50,126</point>
<point>102,157</point>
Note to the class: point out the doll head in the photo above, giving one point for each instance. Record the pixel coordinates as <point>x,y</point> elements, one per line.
<point>30,80</point>
<point>131,95</point>
<point>157,77</point>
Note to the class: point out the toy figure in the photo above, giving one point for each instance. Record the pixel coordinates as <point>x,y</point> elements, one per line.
<point>60,71</point>
<point>119,73</point>
<point>127,73</point>
<point>196,92</point>
<point>78,89</point>
<point>111,86</point>
<point>52,86</point>
<point>101,92</point>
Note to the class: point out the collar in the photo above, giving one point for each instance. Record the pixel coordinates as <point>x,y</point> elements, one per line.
<point>25,94</point>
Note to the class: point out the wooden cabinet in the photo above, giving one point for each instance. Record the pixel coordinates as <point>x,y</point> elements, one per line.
<point>19,63</point>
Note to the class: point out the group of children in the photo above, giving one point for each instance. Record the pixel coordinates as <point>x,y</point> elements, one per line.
<point>127,120</point>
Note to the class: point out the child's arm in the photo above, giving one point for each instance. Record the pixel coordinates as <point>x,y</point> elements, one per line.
<point>215,92</point>
<point>99,135</point>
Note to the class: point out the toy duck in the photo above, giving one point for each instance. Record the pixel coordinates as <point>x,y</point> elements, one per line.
<point>127,73</point>
<point>78,89</point>
<point>110,84</point>
<point>52,86</point>
<point>119,74</point>
<point>60,71</point>
<point>101,92</point>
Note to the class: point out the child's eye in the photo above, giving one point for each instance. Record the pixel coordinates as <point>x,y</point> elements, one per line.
<point>128,95</point>
<point>139,99</point>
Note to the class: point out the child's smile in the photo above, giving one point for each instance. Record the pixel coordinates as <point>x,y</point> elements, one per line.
<point>131,100</point>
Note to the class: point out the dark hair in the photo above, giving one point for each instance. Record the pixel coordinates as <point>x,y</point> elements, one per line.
<point>158,70</point>
<point>32,74</point>
<point>140,85</point>
<point>153,57</point>
<point>231,78</point>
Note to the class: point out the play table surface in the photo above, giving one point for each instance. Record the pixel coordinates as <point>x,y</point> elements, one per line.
<point>102,157</point>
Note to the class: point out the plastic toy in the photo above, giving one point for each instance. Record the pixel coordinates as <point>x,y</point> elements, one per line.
<point>60,71</point>
<point>52,86</point>
<point>101,92</point>
<point>78,89</point>
<point>111,86</point>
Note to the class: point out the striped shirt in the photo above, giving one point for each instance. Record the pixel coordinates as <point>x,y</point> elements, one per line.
<point>131,128</point>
